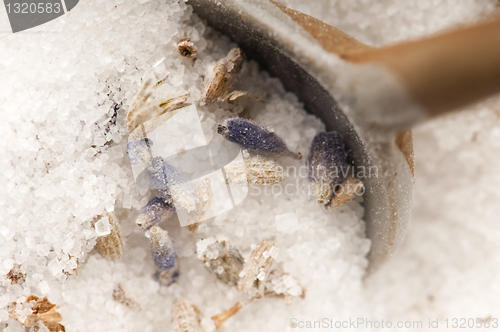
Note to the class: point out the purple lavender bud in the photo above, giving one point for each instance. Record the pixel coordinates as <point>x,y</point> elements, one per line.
<point>140,151</point>
<point>155,212</point>
<point>163,175</point>
<point>325,163</point>
<point>160,172</point>
<point>166,177</point>
<point>162,249</point>
<point>255,138</point>
<point>165,195</point>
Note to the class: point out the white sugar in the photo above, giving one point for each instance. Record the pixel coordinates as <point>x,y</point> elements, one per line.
<point>287,222</point>
<point>64,163</point>
<point>102,227</point>
<point>55,267</point>
<point>43,287</point>
<point>115,152</point>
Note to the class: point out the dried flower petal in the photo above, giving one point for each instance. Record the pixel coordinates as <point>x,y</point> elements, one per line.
<point>237,94</point>
<point>186,48</point>
<point>141,108</point>
<point>140,132</point>
<point>186,317</point>
<point>257,267</point>
<point>175,102</point>
<point>255,170</point>
<point>111,245</point>
<point>221,258</point>
<point>223,77</point>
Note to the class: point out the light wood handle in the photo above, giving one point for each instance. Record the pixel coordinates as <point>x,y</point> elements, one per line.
<point>446,71</point>
<point>441,72</point>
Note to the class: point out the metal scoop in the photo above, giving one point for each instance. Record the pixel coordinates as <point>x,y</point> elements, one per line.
<point>371,96</point>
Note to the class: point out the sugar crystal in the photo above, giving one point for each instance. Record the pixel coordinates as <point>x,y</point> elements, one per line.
<point>102,227</point>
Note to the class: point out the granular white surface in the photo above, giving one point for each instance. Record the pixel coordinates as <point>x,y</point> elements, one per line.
<point>61,167</point>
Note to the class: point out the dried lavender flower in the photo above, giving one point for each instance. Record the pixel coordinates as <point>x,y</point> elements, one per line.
<point>150,125</point>
<point>255,170</point>
<point>164,255</point>
<point>345,192</point>
<point>121,295</point>
<point>111,245</point>
<point>168,277</point>
<point>257,268</point>
<point>186,317</point>
<point>143,108</point>
<point>237,94</point>
<point>220,258</point>
<point>165,176</point>
<point>155,212</point>
<point>223,77</point>
<point>139,152</point>
<point>186,48</point>
<point>175,102</point>
<point>254,138</point>
<point>162,175</point>
<point>326,160</point>
<point>255,278</point>
<point>170,183</point>
<point>162,249</point>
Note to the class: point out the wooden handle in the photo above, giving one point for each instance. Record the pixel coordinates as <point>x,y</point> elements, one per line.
<point>446,71</point>
<point>442,72</point>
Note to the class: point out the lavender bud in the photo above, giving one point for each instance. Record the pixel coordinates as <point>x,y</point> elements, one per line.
<point>162,249</point>
<point>165,176</point>
<point>326,160</point>
<point>155,212</point>
<point>255,138</point>
<point>140,151</point>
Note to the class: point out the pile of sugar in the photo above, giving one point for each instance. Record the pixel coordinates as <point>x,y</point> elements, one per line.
<point>64,162</point>
<point>67,78</point>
